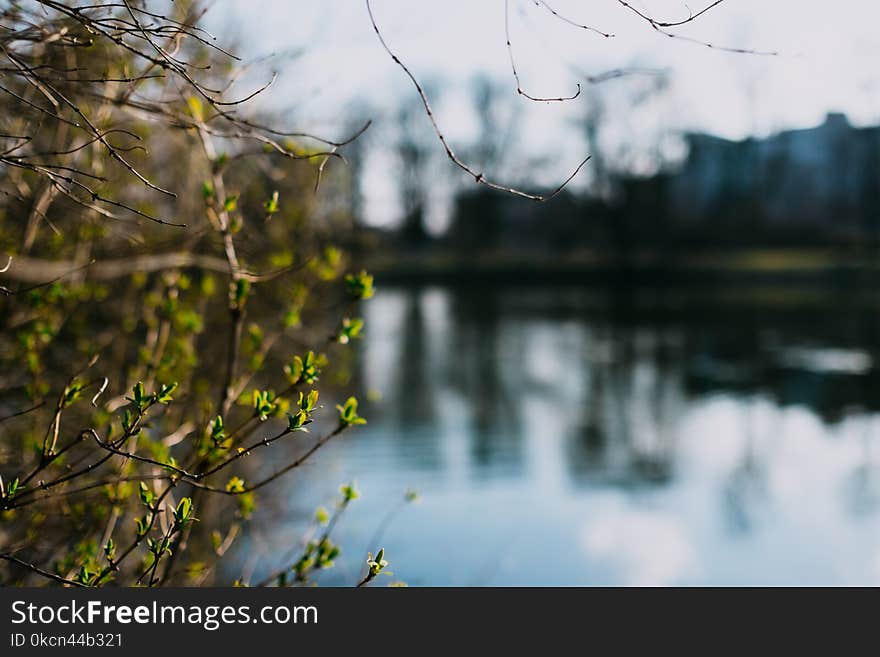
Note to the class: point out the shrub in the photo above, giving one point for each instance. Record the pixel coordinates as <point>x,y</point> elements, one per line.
<point>166,309</point>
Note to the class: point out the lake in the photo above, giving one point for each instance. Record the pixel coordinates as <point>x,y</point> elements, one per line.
<point>605,436</point>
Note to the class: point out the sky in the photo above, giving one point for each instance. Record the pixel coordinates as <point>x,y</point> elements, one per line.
<point>827,61</point>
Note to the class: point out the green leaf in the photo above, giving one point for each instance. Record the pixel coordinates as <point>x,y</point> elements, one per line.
<point>242,288</point>
<point>271,206</point>
<point>147,495</point>
<point>183,512</point>
<point>349,492</point>
<point>255,335</point>
<point>348,412</point>
<point>139,396</point>
<point>235,485</point>
<point>376,565</point>
<point>351,329</point>
<point>71,393</point>
<point>12,488</point>
<point>164,394</point>
<point>143,526</point>
<point>196,108</point>
<point>127,421</point>
<point>218,431</point>
<point>265,404</point>
<point>297,421</point>
<point>294,370</point>
<point>305,369</point>
<point>360,286</point>
<point>308,402</point>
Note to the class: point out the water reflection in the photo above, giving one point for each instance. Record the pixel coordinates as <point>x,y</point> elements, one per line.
<point>575,436</point>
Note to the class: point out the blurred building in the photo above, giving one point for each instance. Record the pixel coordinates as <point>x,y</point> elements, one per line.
<point>820,183</point>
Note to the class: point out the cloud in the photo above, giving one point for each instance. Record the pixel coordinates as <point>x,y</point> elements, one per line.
<point>642,548</point>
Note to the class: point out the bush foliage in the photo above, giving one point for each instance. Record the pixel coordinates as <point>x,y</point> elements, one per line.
<point>175,295</point>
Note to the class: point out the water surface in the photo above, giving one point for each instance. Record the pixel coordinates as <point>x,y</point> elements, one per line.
<point>568,436</point>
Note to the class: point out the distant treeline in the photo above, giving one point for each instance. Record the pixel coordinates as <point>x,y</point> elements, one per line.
<point>819,186</point>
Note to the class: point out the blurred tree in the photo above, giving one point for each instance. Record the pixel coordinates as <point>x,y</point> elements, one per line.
<point>413,153</point>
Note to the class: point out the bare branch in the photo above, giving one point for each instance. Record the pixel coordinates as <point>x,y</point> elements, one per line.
<point>660,25</point>
<point>519,88</point>
<point>478,176</point>
<point>546,6</point>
